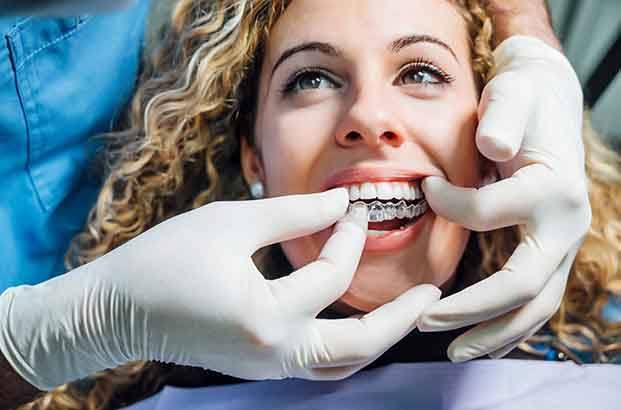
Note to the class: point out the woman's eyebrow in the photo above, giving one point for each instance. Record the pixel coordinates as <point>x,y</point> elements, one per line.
<point>408,40</point>
<point>308,46</point>
<point>328,49</point>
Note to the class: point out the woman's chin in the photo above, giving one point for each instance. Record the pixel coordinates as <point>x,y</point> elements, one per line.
<point>356,300</point>
<point>351,303</point>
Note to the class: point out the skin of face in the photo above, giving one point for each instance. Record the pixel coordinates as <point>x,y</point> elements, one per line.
<point>369,105</point>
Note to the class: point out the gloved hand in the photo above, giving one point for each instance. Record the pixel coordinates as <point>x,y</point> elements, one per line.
<point>187,292</point>
<point>530,124</point>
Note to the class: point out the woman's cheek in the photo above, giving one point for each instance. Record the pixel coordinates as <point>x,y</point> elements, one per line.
<point>300,251</point>
<point>287,158</point>
<point>447,243</point>
<point>304,250</point>
<point>452,142</point>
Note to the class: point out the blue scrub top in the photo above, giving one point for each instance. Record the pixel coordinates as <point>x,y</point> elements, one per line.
<point>62,81</point>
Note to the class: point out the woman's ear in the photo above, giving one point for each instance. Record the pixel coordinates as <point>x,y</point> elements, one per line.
<point>252,166</point>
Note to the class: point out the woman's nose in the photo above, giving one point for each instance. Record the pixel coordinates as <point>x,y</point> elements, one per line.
<point>370,122</point>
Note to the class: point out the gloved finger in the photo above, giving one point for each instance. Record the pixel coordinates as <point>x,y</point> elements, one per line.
<point>337,372</point>
<point>521,280</point>
<point>504,203</point>
<point>274,220</point>
<point>317,285</point>
<point>504,110</point>
<point>503,351</point>
<point>465,350</point>
<point>341,372</point>
<point>331,373</point>
<point>347,342</point>
<point>514,326</point>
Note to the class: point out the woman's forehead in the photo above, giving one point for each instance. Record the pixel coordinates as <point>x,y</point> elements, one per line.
<point>352,25</point>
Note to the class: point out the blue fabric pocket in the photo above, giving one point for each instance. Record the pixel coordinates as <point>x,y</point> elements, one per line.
<point>73,77</point>
<point>38,55</point>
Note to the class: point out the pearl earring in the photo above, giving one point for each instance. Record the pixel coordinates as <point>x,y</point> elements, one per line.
<point>256,190</point>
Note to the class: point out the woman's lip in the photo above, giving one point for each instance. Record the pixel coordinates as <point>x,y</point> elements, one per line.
<point>398,238</point>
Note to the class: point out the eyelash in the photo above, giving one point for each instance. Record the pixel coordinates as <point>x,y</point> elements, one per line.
<point>422,63</point>
<point>417,64</point>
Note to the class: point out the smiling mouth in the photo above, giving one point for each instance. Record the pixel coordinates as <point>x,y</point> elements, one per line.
<point>391,206</point>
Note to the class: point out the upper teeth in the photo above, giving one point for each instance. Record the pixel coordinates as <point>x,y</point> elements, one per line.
<point>385,190</point>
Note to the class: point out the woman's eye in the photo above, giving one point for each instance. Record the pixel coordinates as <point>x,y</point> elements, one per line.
<point>421,76</point>
<point>311,80</point>
<point>424,74</point>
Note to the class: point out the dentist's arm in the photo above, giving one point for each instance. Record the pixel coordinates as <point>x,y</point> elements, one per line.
<point>522,17</point>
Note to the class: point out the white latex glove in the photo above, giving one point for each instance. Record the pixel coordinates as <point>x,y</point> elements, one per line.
<point>187,292</point>
<point>530,124</point>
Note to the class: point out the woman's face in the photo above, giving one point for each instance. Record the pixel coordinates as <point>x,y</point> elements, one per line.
<point>371,95</point>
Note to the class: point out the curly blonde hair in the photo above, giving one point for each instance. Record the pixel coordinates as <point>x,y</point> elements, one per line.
<point>181,150</point>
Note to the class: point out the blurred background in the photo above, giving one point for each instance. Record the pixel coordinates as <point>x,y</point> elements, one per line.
<point>590,31</point>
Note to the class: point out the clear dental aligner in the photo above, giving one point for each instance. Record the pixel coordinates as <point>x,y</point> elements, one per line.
<point>384,211</point>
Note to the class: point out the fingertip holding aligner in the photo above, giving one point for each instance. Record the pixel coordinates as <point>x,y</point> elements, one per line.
<point>358,210</point>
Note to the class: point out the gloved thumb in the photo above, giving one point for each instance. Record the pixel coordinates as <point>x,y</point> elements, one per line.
<point>503,115</point>
<point>273,220</point>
